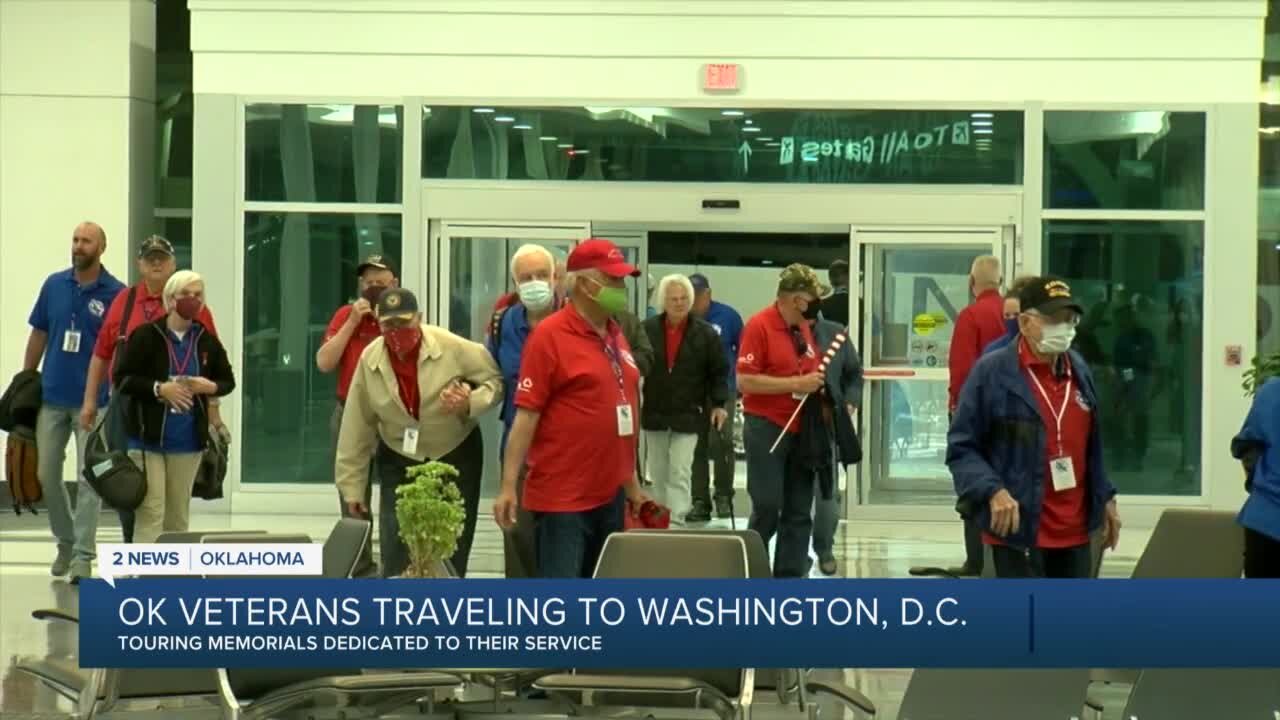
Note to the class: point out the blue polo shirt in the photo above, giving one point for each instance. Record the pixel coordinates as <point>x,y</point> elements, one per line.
<point>1261,512</point>
<point>513,332</point>
<point>179,427</point>
<point>728,325</point>
<point>66,306</point>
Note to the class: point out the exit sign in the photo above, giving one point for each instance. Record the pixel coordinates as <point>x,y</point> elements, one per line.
<point>721,76</point>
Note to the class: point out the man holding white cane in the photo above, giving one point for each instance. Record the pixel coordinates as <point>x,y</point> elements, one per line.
<point>778,365</point>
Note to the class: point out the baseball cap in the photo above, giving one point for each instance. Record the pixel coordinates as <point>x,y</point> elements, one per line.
<point>381,262</point>
<point>802,278</point>
<point>396,303</point>
<point>699,282</point>
<point>155,244</point>
<point>600,254</point>
<point>1047,295</point>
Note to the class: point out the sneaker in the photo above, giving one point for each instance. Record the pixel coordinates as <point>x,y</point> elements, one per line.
<point>61,563</point>
<point>699,514</point>
<point>80,570</point>
<point>724,506</point>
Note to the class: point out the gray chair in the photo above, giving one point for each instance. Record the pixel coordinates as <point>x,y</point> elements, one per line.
<point>1181,694</point>
<point>195,536</point>
<point>345,545</point>
<point>994,694</point>
<point>666,555</point>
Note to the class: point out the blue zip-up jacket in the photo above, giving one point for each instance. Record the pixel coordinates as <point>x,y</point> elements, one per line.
<point>1259,442</point>
<point>844,385</point>
<point>998,440</point>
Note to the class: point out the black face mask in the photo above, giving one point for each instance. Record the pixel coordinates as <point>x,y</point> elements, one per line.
<point>811,313</point>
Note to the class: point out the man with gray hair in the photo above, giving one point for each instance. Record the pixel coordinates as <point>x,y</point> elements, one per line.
<point>977,326</point>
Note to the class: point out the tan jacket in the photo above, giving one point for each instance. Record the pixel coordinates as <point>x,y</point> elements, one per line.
<point>375,411</point>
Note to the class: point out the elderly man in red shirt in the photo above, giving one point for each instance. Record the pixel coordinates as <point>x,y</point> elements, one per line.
<point>577,416</point>
<point>979,325</point>
<point>351,330</point>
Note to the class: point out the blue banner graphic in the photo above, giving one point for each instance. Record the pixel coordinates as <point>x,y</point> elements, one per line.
<point>254,622</point>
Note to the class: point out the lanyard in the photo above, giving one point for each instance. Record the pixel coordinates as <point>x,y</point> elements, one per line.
<point>611,351</point>
<point>1062,411</point>
<point>180,369</point>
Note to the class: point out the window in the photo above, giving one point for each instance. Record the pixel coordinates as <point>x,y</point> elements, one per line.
<point>1142,285</point>
<point>299,268</point>
<point>722,145</point>
<point>323,153</point>
<point>177,230</point>
<point>1124,160</point>
<point>1268,228</point>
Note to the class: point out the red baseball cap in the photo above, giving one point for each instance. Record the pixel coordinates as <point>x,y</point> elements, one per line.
<point>600,254</point>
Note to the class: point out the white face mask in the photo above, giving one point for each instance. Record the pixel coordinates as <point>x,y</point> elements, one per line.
<point>536,295</point>
<point>1056,339</point>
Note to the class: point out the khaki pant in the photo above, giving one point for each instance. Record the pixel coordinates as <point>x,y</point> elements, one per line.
<point>167,505</point>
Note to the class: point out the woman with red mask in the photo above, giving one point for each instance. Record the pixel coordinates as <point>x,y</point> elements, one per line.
<point>170,369</point>
<point>415,396</point>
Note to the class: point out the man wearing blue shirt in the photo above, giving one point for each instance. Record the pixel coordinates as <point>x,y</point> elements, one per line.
<point>716,446</point>
<point>64,328</point>
<point>533,271</point>
<point>1258,447</point>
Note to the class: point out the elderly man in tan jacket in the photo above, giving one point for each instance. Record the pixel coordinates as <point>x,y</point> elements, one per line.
<point>415,397</point>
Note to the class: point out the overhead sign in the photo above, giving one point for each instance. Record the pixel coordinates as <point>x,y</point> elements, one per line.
<point>874,149</point>
<point>720,76</point>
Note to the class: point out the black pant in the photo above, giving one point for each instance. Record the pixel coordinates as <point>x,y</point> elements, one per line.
<point>1066,563</point>
<point>519,544</point>
<point>365,561</point>
<point>468,458</point>
<point>1261,555</point>
<point>714,447</point>
<point>781,490</point>
<point>973,555</point>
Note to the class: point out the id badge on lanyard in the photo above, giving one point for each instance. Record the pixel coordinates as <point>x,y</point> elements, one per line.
<point>625,418</point>
<point>1062,469</point>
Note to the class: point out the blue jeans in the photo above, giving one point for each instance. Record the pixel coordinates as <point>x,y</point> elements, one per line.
<point>75,529</point>
<point>781,491</point>
<point>569,543</point>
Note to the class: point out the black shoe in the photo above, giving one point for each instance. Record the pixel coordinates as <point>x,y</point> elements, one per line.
<point>724,506</point>
<point>827,565</point>
<point>700,513</point>
<point>965,570</point>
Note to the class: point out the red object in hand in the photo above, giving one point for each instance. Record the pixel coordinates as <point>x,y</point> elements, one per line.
<point>651,516</point>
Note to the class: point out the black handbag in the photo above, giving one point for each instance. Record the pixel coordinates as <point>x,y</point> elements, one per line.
<point>212,470</point>
<point>112,474</point>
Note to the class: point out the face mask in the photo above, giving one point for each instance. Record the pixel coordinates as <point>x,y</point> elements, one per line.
<point>811,313</point>
<point>1056,339</point>
<point>1011,326</point>
<point>402,341</point>
<point>372,293</point>
<point>610,299</point>
<point>188,307</point>
<point>535,294</point>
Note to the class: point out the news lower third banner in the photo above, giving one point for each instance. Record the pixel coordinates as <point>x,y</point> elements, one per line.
<point>306,622</point>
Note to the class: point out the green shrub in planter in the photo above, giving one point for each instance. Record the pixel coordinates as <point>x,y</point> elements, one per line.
<point>1263,369</point>
<point>430,512</point>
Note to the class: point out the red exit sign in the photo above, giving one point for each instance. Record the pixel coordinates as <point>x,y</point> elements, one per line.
<point>721,76</point>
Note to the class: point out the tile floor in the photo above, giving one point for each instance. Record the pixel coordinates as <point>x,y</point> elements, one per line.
<point>864,550</point>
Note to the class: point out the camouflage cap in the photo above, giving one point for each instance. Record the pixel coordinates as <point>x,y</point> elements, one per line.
<point>802,278</point>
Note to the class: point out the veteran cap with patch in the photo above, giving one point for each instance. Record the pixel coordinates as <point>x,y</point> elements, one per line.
<point>802,278</point>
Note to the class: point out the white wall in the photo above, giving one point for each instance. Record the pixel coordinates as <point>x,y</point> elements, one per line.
<point>76,112</point>
<point>792,52</point>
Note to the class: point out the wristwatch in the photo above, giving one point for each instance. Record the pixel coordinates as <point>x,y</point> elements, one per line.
<point>155,388</point>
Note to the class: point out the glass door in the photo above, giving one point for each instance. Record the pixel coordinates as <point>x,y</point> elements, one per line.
<point>914,285</point>
<point>634,244</point>
<point>469,271</point>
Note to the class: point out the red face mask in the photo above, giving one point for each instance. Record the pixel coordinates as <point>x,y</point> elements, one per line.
<point>188,307</point>
<point>402,341</point>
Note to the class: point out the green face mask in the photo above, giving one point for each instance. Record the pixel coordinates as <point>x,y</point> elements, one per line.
<point>611,300</point>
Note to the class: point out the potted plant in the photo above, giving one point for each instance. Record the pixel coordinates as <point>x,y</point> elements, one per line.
<point>430,512</point>
<point>1263,369</point>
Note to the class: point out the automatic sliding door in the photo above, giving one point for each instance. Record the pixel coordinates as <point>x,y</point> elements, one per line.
<point>915,285</point>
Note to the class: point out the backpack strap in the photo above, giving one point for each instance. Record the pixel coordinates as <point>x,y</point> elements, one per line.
<point>123,335</point>
<point>495,329</point>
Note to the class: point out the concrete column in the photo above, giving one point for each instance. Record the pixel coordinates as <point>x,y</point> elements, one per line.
<point>77,108</point>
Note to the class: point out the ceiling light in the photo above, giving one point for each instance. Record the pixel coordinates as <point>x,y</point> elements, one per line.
<point>732,113</point>
<point>982,123</point>
<point>565,146</point>
<point>579,152</point>
<point>749,122</point>
<point>982,131</point>
<point>750,128</point>
<point>522,126</point>
<point>482,110</point>
<point>548,138</point>
<point>773,144</point>
<point>765,139</point>
<point>504,119</point>
<point>980,115</point>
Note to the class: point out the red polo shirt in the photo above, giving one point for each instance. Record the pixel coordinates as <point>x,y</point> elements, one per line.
<point>366,332</point>
<point>977,326</point>
<point>768,348</point>
<point>1064,515</point>
<point>577,460</point>
<point>146,307</point>
<point>675,335</point>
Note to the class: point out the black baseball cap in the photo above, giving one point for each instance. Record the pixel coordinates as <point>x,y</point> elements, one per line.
<point>1047,295</point>
<point>396,303</point>
<point>380,262</point>
<point>699,282</point>
<point>155,244</point>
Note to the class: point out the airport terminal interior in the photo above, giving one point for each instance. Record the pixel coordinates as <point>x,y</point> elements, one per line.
<point>1130,147</point>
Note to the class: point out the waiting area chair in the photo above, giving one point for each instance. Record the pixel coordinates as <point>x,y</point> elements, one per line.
<point>935,694</point>
<point>1181,694</point>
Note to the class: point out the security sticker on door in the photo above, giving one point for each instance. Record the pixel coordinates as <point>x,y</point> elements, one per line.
<point>626,424</point>
<point>1064,473</point>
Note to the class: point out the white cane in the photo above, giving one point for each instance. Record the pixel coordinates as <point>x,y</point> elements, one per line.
<point>832,349</point>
